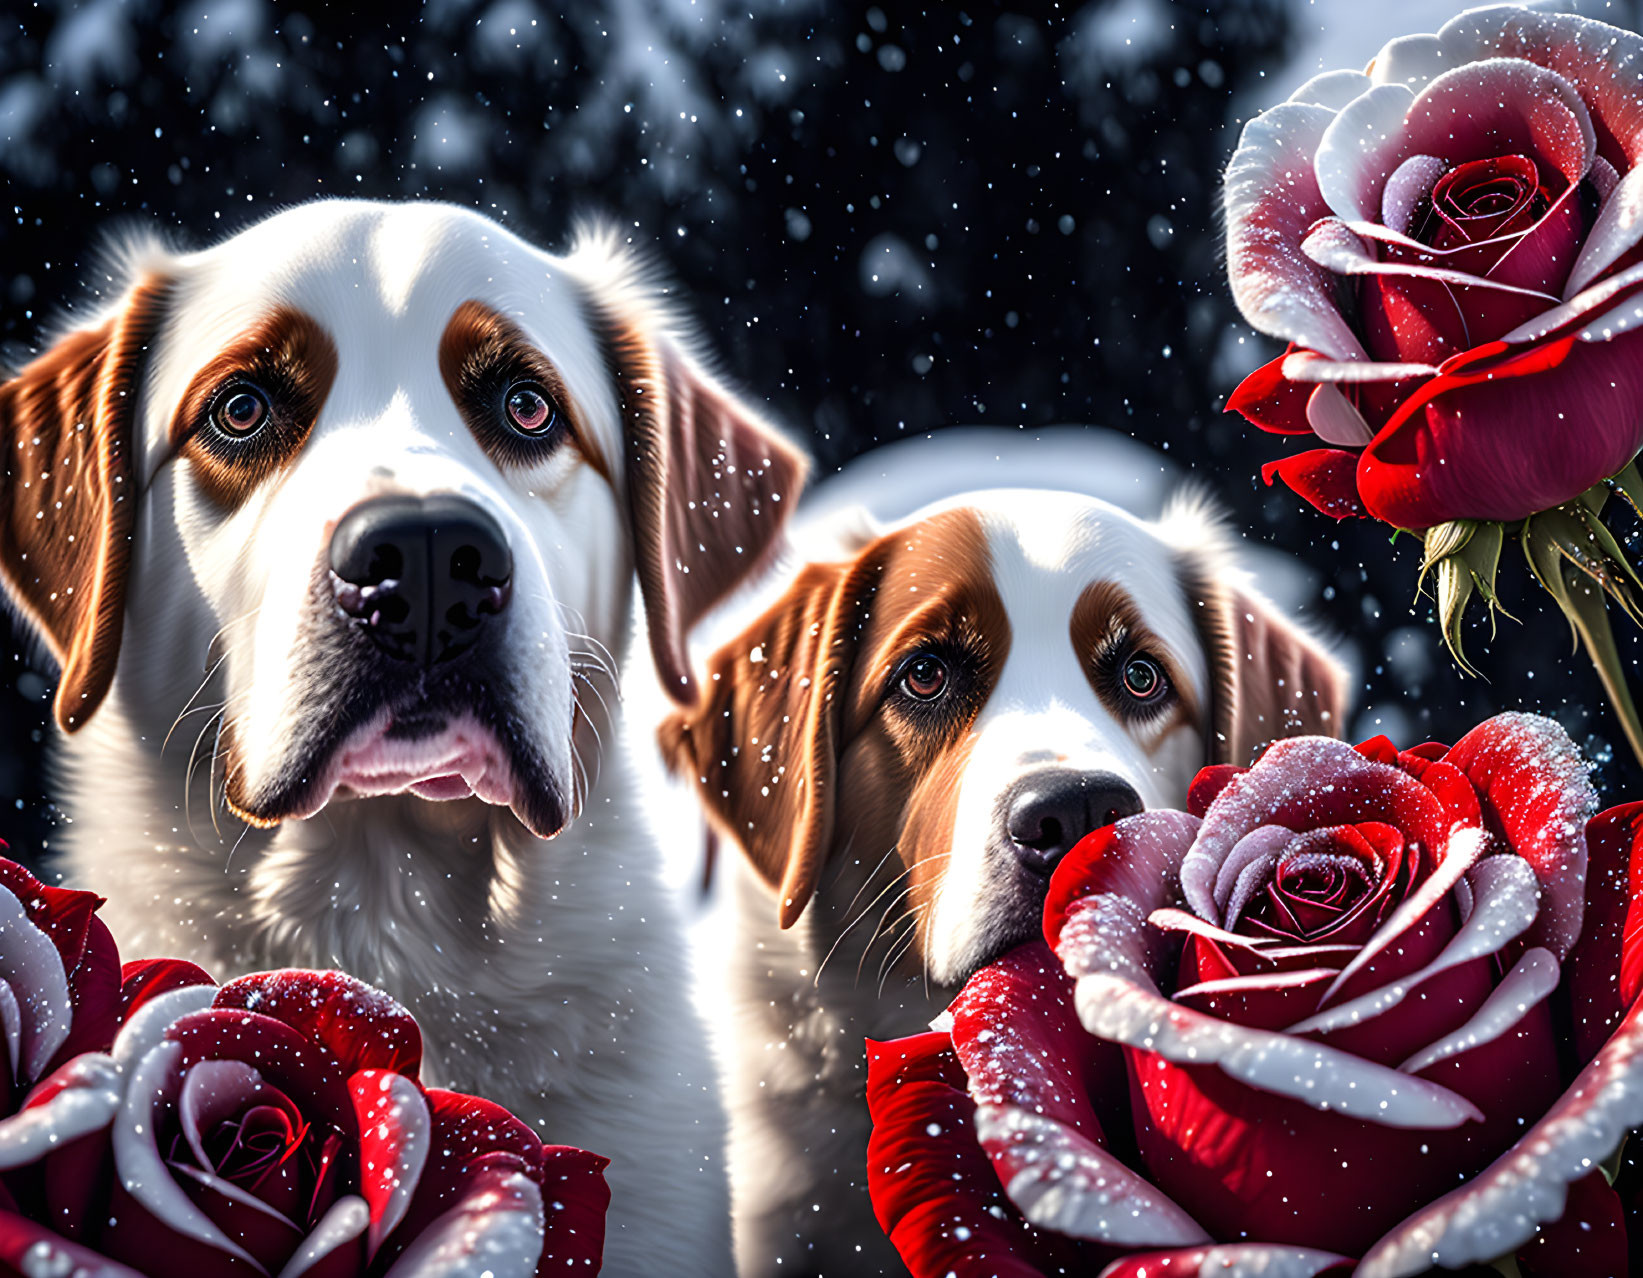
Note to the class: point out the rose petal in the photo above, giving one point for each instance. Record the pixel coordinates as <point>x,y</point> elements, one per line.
<point>1536,795</point>
<point>1506,472</point>
<point>155,1081</point>
<point>575,1197</point>
<point>1586,310</point>
<point>212,1092</point>
<point>1272,197</point>
<point>1410,183</point>
<point>1531,982</point>
<point>1604,971</point>
<point>32,966</point>
<point>497,1226</point>
<point>934,1191</point>
<point>328,1244</point>
<point>394,1128</point>
<point>1209,887</point>
<point>1260,1000</point>
<point>1271,401</point>
<point>1541,259</point>
<point>65,915</point>
<point>1359,150</point>
<point>1313,369</point>
<point>144,979</point>
<point>1135,858</point>
<point>1335,246</point>
<point>298,1067</point>
<point>1506,892</point>
<point>1032,1071</point>
<point>11,1022</point>
<point>152,1015</point>
<point>79,1098</point>
<point>1230,1260</point>
<point>1171,919</point>
<point>1392,940</point>
<point>94,992</point>
<point>1525,1187</point>
<point>1208,784</point>
<point>1590,1237</point>
<point>1326,477</point>
<point>1102,946</point>
<point>1618,228</point>
<point>1062,1181</point>
<point>1332,89</point>
<point>1335,419</point>
<point>32,1250</point>
<point>358,1024</point>
<point>1413,61</point>
<point>1306,783</point>
<point>1605,61</point>
<point>1493,107</point>
<point>269,1235</point>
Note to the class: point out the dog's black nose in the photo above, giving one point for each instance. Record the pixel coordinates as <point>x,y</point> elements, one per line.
<point>420,574</point>
<point>1047,812</point>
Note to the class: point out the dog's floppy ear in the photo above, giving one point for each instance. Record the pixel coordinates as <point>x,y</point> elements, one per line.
<point>1268,677</point>
<point>709,483</point>
<point>70,494</point>
<point>763,743</point>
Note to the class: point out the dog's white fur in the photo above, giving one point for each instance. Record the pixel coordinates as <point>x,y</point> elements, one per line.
<point>804,997</point>
<point>547,975</point>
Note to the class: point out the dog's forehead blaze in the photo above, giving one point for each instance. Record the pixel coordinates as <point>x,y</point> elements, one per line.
<point>479,346</point>
<point>1106,610</point>
<point>291,359</point>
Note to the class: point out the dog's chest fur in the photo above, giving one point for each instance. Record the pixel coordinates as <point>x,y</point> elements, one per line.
<point>548,976</point>
<point>803,1007</point>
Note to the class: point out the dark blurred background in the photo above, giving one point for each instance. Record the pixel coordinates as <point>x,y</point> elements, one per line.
<point>888,219</point>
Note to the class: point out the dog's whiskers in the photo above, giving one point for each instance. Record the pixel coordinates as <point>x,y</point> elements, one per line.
<point>898,949</point>
<point>867,882</point>
<point>189,707</point>
<point>593,727</point>
<point>212,665</point>
<point>868,908</point>
<point>878,928</point>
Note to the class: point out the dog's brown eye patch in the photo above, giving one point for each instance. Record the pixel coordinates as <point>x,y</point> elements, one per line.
<point>250,410</point>
<point>508,392</point>
<point>1127,665</point>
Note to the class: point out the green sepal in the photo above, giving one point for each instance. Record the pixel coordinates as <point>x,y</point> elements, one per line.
<point>1629,484</point>
<point>1581,538</point>
<point>1464,554</point>
<point>1581,599</point>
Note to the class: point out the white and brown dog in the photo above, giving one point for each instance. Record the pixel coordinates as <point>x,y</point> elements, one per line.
<point>904,745</point>
<point>385,474</point>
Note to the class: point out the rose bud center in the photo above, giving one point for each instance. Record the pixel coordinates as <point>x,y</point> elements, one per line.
<point>1329,884</point>
<point>245,1149</point>
<point>1483,200</point>
<point>245,1132</point>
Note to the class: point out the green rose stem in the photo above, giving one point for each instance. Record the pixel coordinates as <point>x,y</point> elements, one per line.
<point>1577,561</point>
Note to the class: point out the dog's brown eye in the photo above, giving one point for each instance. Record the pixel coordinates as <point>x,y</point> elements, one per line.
<point>530,412</point>
<point>241,411</point>
<point>925,677</point>
<point>1143,678</point>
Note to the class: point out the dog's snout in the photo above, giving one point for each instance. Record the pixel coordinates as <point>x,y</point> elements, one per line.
<point>420,575</point>
<point>1048,811</point>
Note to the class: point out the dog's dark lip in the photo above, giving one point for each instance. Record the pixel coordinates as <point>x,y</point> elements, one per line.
<point>421,707</point>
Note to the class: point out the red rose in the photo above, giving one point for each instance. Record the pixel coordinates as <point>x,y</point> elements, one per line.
<point>59,980</point>
<point>276,1126</point>
<point>1355,1005</point>
<point>1450,244</point>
